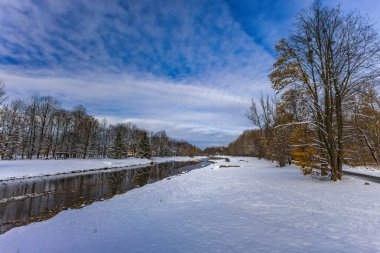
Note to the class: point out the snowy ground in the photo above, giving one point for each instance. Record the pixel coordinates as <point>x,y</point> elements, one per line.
<point>252,208</point>
<point>31,168</point>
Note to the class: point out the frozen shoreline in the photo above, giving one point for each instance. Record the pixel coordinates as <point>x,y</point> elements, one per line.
<point>14,169</point>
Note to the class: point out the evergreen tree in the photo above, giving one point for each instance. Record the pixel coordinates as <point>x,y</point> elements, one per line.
<point>144,150</point>
<point>119,150</point>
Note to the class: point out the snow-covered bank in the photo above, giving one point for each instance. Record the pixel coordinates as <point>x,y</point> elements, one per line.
<point>31,168</point>
<point>373,171</point>
<point>252,208</point>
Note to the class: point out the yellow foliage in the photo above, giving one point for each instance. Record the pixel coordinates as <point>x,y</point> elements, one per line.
<point>303,152</point>
<point>305,156</point>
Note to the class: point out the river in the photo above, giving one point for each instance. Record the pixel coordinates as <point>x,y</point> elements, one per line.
<point>36,199</point>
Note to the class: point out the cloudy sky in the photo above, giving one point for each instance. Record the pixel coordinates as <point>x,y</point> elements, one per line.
<point>190,67</point>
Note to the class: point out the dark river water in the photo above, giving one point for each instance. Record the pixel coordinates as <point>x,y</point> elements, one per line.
<point>29,200</point>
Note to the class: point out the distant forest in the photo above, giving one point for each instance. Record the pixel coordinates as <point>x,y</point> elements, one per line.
<point>40,128</point>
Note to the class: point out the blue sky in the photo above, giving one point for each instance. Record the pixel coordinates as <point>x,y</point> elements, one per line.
<point>190,67</point>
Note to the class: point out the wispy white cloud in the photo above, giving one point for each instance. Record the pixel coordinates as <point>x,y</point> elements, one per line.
<point>184,66</point>
<point>200,134</point>
<point>162,37</point>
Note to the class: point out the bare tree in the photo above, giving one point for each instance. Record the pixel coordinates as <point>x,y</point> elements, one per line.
<point>366,121</point>
<point>264,118</point>
<point>45,111</point>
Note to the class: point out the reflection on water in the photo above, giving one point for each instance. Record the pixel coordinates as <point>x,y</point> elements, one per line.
<point>29,200</point>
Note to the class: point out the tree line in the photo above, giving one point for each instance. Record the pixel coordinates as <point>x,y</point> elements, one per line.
<point>40,128</point>
<point>326,111</point>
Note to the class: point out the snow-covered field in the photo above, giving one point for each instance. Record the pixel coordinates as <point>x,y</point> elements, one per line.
<point>256,207</point>
<point>31,168</point>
